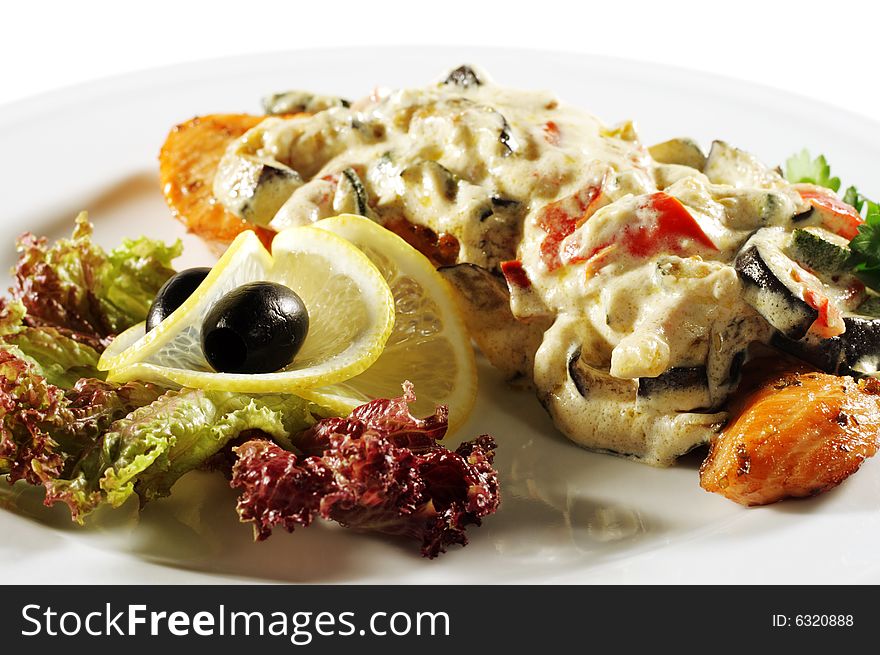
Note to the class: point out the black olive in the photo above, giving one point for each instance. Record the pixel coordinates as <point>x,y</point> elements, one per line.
<point>256,328</point>
<point>173,294</point>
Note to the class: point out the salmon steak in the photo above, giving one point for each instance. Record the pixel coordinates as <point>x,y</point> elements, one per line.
<point>797,434</point>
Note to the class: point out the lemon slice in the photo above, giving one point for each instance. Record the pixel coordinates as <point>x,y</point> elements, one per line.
<point>429,344</point>
<point>351,314</point>
<point>121,342</point>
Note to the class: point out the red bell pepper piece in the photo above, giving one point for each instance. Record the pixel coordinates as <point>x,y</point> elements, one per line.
<point>837,216</point>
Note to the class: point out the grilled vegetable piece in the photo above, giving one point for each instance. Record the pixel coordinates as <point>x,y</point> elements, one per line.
<point>768,285</point>
<point>861,344</point>
<point>463,76</point>
<point>793,434</point>
<point>857,350</point>
<point>834,214</point>
<point>604,413</point>
<point>351,195</point>
<point>683,388</point>
<point>258,188</point>
<point>728,165</point>
<point>825,354</point>
<point>870,307</point>
<point>820,250</point>
<point>187,163</point>
<point>683,151</point>
<point>298,102</point>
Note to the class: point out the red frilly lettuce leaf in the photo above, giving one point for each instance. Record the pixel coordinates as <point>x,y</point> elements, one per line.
<point>84,292</point>
<point>30,409</point>
<point>45,429</point>
<point>389,416</point>
<point>366,477</point>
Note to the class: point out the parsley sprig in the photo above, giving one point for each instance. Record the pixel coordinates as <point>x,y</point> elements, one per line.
<point>865,246</point>
<point>800,168</point>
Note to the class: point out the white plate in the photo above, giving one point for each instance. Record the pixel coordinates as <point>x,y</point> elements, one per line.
<point>567,515</point>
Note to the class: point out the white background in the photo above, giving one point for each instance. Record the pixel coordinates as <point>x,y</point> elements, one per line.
<point>629,519</point>
<point>826,50</point>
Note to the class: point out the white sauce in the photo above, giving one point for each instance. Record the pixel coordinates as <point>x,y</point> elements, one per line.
<point>486,164</point>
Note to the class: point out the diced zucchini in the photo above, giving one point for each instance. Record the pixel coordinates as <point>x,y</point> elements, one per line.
<point>728,165</point>
<point>820,250</point>
<point>297,102</point>
<point>681,151</point>
<point>351,195</point>
<point>256,188</point>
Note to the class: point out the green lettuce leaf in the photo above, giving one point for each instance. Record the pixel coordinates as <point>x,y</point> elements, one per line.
<point>87,441</point>
<point>56,357</point>
<point>44,429</point>
<point>12,313</point>
<point>85,293</point>
<point>53,355</point>
<point>131,277</point>
<point>149,450</point>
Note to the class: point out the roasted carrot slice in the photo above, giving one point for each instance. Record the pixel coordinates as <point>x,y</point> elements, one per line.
<point>795,434</point>
<point>187,162</point>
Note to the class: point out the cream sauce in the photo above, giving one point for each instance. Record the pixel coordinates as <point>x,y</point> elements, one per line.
<point>632,258</point>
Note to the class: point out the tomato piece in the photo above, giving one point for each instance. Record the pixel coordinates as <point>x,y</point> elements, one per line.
<point>830,322</point>
<point>266,236</point>
<point>837,216</point>
<point>559,219</point>
<point>551,133</point>
<point>558,224</point>
<point>515,274</point>
<point>662,223</point>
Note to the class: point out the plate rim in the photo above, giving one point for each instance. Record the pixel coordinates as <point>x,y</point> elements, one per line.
<point>13,110</point>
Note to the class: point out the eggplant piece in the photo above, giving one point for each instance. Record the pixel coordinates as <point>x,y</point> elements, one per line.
<point>605,414</point>
<point>682,151</point>
<point>484,116</point>
<point>299,102</point>
<point>497,205</point>
<point>824,354</point>
<point>256,189</point>
<point>734,373</point>
<point>351,195</point>
<point>861,344</point>
<point>769,288</point>
<point>463,76</point>
<point>580,381</point>
<point>803,216</point>
<point>855,352</point>
<point>681,389</point>
<point>502,229</point>
<point>589,380</point>
<point>677,378</point>
<point>870,307</point>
